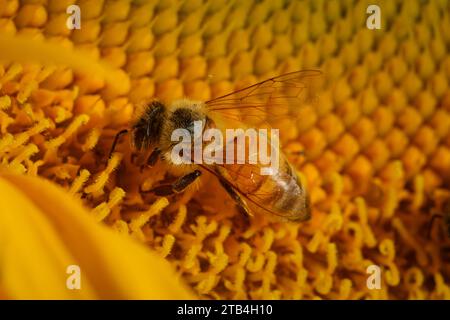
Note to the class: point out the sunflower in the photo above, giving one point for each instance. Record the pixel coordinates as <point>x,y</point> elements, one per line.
<point>376,150</point>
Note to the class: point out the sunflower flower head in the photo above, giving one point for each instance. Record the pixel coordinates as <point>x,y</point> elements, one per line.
<point>376,143</point>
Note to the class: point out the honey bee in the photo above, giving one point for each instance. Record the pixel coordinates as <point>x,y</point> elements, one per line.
<point>282,193</point>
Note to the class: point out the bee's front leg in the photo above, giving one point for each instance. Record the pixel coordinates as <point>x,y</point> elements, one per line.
<point>178,186</point>
<point>116,140</point>
<point>237,198</point>
<point>151,160</point>
<point>154,156</point>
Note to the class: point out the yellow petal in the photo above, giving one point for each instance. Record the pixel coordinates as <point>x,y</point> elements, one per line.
<point>43,231</point>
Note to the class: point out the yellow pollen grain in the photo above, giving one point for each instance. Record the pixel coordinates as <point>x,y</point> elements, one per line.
<point>71,129</point>
<point>179,219</point>
<point>97,187</point>
<point>167,245</point>
<point>23,137</point>
<point>381,119</point>
<point>25,153</point>
<point>155,209</point>
<point>12,72</point>
<point>6,141</point>
<point>5,102</point>
<point>103,210</point>
<point>91,140</point>
<point>79,181</point>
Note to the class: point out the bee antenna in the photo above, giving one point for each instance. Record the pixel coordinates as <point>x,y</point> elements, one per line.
<point>116,139</point>
<point>430,225</point>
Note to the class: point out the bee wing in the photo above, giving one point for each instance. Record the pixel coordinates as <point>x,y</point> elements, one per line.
<point>268,100</point>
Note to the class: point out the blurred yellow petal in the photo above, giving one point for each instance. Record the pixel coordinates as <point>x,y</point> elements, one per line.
<point>26,49</point>
<point>376,142</point>
<point>43,231</point>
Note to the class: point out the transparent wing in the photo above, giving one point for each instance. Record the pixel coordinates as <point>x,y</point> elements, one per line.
<point>269,100</point>
<point>261,105</point>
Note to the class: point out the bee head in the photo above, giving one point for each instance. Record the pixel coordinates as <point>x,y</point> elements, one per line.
<point>148,127</point>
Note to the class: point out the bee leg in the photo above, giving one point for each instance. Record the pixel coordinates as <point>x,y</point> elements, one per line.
<point>186,180</point>
<point>153,157</point>
<point>116,139</point>
<point>151,160</point>
<point>178,186</point>
<point>163,190</point>
<point>237,198</point>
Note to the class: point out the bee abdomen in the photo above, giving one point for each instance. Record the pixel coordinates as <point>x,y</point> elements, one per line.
<point>288,197</point>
